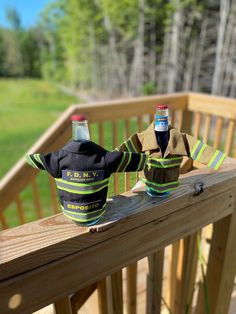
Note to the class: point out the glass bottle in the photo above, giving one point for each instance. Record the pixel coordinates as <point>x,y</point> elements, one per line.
<point>162,135</point>
<point>80,131</point>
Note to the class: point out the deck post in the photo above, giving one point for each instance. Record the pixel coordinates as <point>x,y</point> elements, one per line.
<point>221,268</point>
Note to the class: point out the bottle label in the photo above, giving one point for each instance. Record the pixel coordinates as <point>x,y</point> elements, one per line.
<point>161,123</point>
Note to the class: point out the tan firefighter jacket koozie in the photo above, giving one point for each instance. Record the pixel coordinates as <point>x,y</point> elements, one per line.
<point>162,172</point>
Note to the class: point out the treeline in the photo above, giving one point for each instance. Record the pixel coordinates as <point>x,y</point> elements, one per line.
<point>128,47</point>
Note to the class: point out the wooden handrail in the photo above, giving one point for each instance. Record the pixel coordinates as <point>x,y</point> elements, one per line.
<point>52,257</point>
<point>56,136</point>
<point>213,105</point>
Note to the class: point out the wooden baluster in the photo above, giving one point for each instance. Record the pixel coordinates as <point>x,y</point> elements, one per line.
<point>139,129</point>
<point>173,276</point>
<point>186,274</point>
<point>172,118</point>
<point>197,124</point>
<point>80,297</point>
<point>126,135</point>
<point>3,221</point>
<point>218,132</point>
<point>53,192</point>
<point>207,128</point>
<point>36,198</point>
<point>117,294</point>
<point>115,144</point>
<point>220,272</point>
<point>229,137</point>
<point>63,306</point>
<point>20,210</point>
<point>101,134</point>
<point>140,124</point>
<point>132,288</point>
<point>154,282</point>
<point>102,296</point>
<point>150,118</point>
<point>180,120</point>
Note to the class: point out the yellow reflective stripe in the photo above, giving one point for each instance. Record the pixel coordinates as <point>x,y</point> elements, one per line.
<point>165,159</point>
<point>37,157</point>
<point>133,146</point>
<point>142,161</point>
<point>83,220</point>
<point>127,162</point>
<point>212,158</point>
<point>82,184</point>
<point>160,184</point>
<point>81,192</point>
<point>126,144</point>
<point>163,191</point>
<point>121,163</point>
<point>31,162</point>
<point>195,147</point>
<point>163,166</point>
<point>220,162</point>
<point>201,151</point>
<point>83,214</point>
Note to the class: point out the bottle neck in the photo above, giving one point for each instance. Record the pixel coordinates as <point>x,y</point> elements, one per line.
<point>80,131</point>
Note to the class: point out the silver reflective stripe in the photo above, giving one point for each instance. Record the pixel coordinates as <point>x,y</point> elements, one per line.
<point>197,150</point>
<point>165,187</point>
<point>76,187</point>
<point>216,160</point>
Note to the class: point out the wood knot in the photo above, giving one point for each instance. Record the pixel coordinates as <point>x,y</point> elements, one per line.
<point>198,188</point>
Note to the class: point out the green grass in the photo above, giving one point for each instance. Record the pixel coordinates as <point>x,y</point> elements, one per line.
<point>27,109</point>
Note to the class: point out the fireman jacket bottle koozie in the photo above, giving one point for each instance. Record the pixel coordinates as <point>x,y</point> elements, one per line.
<point>162,171</point>
<point>81,171</point>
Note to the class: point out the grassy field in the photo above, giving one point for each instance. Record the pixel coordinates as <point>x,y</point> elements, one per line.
<point>27,108</point>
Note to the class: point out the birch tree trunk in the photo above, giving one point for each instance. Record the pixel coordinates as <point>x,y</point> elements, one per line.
<point>224,11</point>
<point>174,49</point>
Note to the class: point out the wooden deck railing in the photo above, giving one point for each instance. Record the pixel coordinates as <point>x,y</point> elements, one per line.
<point>50,259</point>
<point>208,117</point>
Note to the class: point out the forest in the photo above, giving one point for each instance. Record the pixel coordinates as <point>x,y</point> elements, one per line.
<point>126,47</point>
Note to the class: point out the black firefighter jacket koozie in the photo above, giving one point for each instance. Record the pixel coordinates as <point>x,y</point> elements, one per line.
<point>161,173</point>
<point>81,171</point>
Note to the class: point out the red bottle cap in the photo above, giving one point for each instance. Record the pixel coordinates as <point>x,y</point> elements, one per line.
<point>161,107</point>
<point>78,118</point>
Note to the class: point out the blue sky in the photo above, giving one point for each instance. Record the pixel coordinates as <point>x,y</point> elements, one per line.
<point>28,10</point>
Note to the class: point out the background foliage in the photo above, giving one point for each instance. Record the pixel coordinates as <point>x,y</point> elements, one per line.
<point>127,47</point>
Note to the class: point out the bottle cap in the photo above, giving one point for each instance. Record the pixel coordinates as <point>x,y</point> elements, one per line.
<point>78,118</point>
<point>161,107</point>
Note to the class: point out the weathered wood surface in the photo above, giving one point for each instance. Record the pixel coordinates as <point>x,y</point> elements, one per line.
<point>51,258</point>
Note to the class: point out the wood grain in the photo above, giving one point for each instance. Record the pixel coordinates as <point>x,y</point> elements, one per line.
<point>117,293</point>
<point>154,282</point>
<point>213,105</point>
<point>63,306</point>
<point>54,237</point>
<point>76,271</point>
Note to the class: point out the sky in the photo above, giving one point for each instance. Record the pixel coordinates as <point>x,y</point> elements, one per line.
<point>28,10</point>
